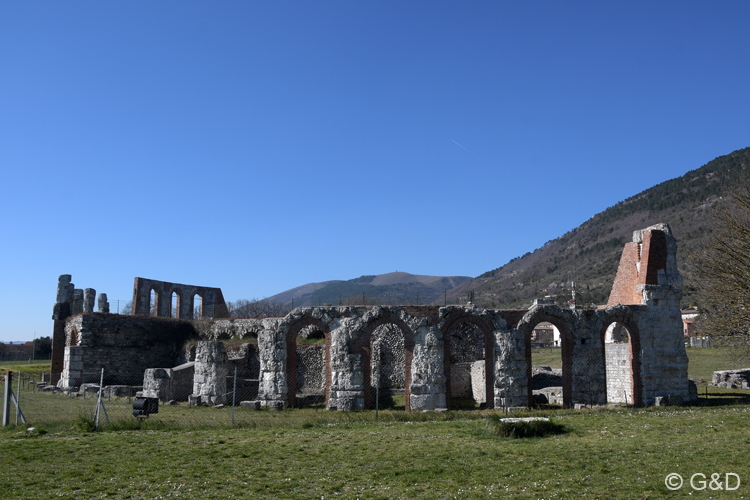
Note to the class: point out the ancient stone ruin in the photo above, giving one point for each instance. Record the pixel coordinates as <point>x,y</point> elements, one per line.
<point>630,351</point>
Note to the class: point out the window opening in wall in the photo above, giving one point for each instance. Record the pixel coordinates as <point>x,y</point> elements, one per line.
<point>617,363</point>
<point>152,306</point>
<point>310,384</point>
<point>73,337</point>
<point>388,367</point>
<point>468,378</point>
<point>197,306</point>
<point>174,308</point>
<point>546,365</point>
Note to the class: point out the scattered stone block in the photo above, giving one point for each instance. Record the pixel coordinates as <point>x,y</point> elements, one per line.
<point>255,405</point>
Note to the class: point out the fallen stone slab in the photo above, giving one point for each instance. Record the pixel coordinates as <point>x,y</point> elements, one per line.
<point>524,419</point>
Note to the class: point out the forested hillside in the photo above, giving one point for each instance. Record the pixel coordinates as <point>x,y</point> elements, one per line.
<point>590,253</point>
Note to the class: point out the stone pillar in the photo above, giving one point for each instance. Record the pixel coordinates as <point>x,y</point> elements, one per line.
<point>73,372</point>
<point>77,303</point>
<point>89,298</point>
<point>511,379</point>
<point>102,304</point>
<point>427,370</point>
<point>60,311</point>
<point>210,379</point>
<point>272,388</point>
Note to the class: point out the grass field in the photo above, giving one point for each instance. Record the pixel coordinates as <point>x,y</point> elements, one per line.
<point>622,454</point>
<point>187,452</point>
<point>702,362</point>
<point>35,368</point>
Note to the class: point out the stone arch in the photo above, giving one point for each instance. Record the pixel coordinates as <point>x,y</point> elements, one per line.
<point>361,346</point>
<point>624,315</point>
<point>291,358</point>
<point>562,320</point>
<point>452,322</point>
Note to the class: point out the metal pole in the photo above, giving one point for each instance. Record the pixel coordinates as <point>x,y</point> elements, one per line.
<point>377,385</point>
<point>6,399</point>
<point>234,392</point>
<point>18,395</point>
<point>33,347</point>
<point>99,399</point>
<point>505,399</point>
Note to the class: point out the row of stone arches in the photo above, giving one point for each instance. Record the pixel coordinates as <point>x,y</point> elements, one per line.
<point>617,362</point>
<point>385,342</point>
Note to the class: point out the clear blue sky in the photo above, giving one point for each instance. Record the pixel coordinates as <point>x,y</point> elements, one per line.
<point>259,146</point>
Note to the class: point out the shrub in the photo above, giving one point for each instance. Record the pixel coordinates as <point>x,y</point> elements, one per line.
<point>521,428</point>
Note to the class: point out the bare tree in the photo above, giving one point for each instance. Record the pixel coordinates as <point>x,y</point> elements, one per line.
<point>256,308</point>
<point>722,272</point>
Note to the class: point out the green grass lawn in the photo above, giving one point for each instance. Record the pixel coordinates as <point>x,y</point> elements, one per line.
<point>313,453</point>
<point>623,454</point>
<point>701,365</point>
<point>26,368</point>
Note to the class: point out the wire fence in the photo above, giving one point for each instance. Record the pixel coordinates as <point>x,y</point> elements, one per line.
<point>225,384</point>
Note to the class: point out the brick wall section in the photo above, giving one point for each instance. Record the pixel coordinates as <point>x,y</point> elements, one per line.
<point>623,289</point>
<point>652,258</point>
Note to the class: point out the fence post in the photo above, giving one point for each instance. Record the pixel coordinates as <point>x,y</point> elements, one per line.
<point>99,399</point>
<point>234,392</point>
<point>6,399</point>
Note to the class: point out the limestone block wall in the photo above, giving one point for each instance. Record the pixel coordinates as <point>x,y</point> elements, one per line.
<point>272,387</point>
<point>210,379</point>
<point>125,346</point>
<point>588,378</point>
<point>619,388</point>
<point>664,362</point>
<point>169,383</point>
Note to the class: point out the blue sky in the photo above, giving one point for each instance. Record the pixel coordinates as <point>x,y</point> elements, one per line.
<point>259,146</point>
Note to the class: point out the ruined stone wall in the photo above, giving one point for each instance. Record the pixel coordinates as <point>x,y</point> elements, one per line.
<point>511,387</point>
<point>461,383</point>
<point>311,369</point>
<point>125,346</point>
<point>212,300</point>
<point>478,381</point>
<point>619,388</point>
<point>210,379</point>
<point>387,359</point>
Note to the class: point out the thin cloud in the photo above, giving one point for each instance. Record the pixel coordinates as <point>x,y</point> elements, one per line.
<point>460,146</point>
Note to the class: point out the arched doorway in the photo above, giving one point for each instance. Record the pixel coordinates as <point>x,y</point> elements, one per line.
<point>385,339</point>
<point>621,357</point>
<point>549,367</point>
<point>388,367</point>
<point>469,362</point>
<point>308,363</point>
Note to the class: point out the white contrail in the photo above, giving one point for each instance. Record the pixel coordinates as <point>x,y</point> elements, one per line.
<point>460,146</point>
